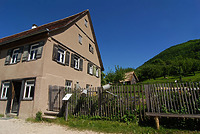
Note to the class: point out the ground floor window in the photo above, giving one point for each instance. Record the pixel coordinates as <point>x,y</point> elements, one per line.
<point>4,90</point>
<point>68,84</point>
<point>29,89</point>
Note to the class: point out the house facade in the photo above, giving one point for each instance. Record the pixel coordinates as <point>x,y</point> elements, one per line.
<point>62,53</point>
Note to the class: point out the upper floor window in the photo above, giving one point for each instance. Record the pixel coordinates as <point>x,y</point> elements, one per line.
<point>86,23</point>
<point>76,62</point>
<point>91,49</point>
<point>80,39</point>
<point>60,55</point>
<point>33,52</point>
<point>4,90</point>
<point>14,56</point>
<point>90,68</point>
<point>29,89</point>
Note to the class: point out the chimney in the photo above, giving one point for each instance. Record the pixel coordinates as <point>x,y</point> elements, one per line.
<point>34,26</point>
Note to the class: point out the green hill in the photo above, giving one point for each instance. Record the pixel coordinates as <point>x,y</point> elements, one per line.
<point>179,60</point>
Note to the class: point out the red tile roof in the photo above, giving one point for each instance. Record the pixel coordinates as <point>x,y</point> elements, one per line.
<point>50,26</point>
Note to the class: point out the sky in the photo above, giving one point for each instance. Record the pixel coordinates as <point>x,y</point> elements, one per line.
<point>128,32</point>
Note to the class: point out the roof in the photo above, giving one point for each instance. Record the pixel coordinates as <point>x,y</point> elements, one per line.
<point>51,27</point>
<point>129,76</point>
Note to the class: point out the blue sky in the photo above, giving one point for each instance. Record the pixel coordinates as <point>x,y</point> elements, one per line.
<point>129,32</point>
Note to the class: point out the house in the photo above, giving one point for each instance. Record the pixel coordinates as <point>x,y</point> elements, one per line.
<point>64,53</point>
<point>130,78</point>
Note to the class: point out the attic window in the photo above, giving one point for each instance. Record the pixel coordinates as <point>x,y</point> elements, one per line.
<point>80,39</point>
<point>86,23</point>
<point>91,49</point>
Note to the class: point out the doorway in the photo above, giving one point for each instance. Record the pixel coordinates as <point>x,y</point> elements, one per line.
<point>14,97</point>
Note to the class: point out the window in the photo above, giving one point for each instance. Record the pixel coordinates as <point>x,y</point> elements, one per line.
<point>5,87</point>
<point>80,39</point>
<point>68,84</point>
<point>61,56</point>
<point>14,56</point>
<point>90,69</point>
<point>86,23</point>
<point>76,62</point>
<point>33,52</point>
<point>91,48</point>
<point>29,89</point>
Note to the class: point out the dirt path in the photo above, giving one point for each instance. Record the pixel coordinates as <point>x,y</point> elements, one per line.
<point>19,126</point>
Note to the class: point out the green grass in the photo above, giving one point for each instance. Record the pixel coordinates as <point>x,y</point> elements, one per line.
<point>191,77</point>
<point>112,126</point>
<point>1,115</point>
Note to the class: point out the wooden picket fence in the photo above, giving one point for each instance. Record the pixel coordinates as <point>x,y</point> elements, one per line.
<point>167,99</point>
<point>173,100</point>
<point>115,102</point>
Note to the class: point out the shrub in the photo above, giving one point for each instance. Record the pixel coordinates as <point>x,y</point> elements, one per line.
<point>38,116</point>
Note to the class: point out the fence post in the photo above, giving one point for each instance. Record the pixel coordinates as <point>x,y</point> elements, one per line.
<point>99,99</point>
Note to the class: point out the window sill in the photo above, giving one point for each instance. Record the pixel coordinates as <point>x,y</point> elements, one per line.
<point>27,99</point>
<point>60,63</point>
<point>3,99</point>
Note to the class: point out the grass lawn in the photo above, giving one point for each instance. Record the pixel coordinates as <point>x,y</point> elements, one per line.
<point>1,115</point>
<point>114,126</point>
<point>191,77</point>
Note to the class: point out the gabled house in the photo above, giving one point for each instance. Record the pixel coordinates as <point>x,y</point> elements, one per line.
<point>63,53</point>
<point>130,78</point>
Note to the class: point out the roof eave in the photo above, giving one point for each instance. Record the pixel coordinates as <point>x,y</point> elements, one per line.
<point>25,36</point>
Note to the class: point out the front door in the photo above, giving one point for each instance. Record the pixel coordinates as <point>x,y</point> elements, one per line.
<point>14,97</point>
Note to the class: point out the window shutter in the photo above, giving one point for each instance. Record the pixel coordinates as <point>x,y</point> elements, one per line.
<point>94,70</point>
<point>20,54</point>
<point>55,52</point>
<point>99,72</point>
<point>67,58</point>
<point>26,53</point>
<point>88,69</point>
<point>81,65</point>
<point>72,60</point>
<point>40,48</point>
<point>8,57</point>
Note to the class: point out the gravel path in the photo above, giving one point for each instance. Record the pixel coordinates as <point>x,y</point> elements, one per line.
<point>19,126</point>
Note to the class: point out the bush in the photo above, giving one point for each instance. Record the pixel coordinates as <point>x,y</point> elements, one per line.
<point>38,116</point>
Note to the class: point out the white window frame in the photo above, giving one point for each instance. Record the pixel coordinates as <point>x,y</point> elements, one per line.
<point>86,23</point>
<point>68,84</point>
<point>76,62</point>
<point>4,90</point>
<point>90,69</point>
<point>61,55</point>
<point>29,89</point>
<point>97,72</point>
<point>34,50</point>
<point>80,38</point>
<point>14,56</point>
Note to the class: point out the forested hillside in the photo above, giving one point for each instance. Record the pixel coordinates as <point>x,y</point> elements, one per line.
<point>179,60</point>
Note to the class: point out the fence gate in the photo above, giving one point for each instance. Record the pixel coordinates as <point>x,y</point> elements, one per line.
<point>56,93</point>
